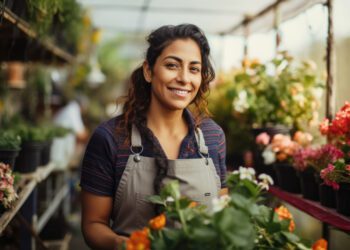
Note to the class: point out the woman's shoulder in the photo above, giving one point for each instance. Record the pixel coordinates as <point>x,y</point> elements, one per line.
<point>209,125</point>
<point>108,128</point>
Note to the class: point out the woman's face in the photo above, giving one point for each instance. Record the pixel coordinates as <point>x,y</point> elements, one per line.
<point>176,75</point>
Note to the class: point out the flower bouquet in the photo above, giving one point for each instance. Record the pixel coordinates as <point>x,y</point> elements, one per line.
<point>8,194</point>
<point>236,220</point>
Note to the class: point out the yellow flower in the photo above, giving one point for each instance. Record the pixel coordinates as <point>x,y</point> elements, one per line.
<point>192,204</point>
<point>158,222</point>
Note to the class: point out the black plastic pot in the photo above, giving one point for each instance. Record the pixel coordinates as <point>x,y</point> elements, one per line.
<point>45,153</point>
<point>309,186</point>
<point>8,156</point>
<point>327,194</point>
<point>343,199</point>
<point>288,179</point>
<point>29,157</point>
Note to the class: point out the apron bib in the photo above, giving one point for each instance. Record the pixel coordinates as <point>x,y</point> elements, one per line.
<point>197,178</point>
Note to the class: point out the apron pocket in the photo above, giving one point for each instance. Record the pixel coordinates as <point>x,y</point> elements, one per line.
<point>144,210</point>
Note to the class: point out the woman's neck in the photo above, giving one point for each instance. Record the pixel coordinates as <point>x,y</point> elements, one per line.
<point>166,122</point>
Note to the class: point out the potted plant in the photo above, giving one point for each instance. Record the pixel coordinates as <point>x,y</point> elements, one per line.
<point>50,132</point>
<point>281,92</point>
<point>32,142</point>
<point>9,146</point>
<point>279,153</point>
<point>8,194</point>
<point>337,174</point>
<point>235,221</point>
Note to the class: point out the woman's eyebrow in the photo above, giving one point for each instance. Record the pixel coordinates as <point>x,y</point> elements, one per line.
<point>180,60</point>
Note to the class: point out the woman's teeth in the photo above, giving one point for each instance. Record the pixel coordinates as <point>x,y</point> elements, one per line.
<point>180,92</point>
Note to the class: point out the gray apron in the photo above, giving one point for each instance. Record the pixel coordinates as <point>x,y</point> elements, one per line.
<point>197,177</point>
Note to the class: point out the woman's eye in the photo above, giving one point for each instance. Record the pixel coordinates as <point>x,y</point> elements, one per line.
<point>171,66</point>
<point>195,69</point>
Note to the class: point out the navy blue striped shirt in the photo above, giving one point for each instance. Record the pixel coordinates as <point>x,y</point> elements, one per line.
<point>107,153</point>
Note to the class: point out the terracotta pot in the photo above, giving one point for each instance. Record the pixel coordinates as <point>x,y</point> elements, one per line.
<point>15,75</point>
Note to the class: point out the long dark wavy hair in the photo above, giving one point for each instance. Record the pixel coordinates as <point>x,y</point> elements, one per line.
<point>139,95</point>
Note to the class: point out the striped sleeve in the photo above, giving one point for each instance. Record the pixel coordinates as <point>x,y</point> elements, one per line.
<point>222,158</point>
<point>97,174</point>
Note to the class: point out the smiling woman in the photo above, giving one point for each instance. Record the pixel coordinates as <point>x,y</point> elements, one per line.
<point>155,140</point>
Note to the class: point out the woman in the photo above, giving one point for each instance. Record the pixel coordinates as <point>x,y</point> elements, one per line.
<point>155,140</point>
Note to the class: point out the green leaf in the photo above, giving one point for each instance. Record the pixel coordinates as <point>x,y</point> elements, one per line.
<point>156,199</point>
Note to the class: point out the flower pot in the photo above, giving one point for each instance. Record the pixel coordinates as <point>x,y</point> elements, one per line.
<point>45,153</point>
<point>327,194</point>
<point>288,179</point>
<point>29,157</point>
<point>8,156</point>
<point>343,199</point>
<point>309,186</point>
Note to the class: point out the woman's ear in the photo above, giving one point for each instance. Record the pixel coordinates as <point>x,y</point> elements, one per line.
<point>147,73</point>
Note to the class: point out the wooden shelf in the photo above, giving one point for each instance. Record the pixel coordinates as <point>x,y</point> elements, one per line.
<point>24,188</point>
<point>313,208</point>
<point>20,42</point>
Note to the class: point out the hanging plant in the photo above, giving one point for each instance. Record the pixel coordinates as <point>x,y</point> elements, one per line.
<point>41,14</point>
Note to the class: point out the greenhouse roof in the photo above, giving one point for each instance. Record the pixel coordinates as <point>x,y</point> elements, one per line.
<point>214,17</point>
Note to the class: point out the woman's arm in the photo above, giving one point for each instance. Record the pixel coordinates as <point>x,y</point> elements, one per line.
<point>96,212</point>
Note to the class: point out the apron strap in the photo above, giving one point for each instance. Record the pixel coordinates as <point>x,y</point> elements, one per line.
<point>201,142</point>
<point>135,137</point>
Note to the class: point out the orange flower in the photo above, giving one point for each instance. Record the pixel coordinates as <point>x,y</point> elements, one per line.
<point>158,222</point>
<point>321,244</point>
<point>284,214</point>
<point>281,156</point>
<point>139,240</point>
<point>192,204</point>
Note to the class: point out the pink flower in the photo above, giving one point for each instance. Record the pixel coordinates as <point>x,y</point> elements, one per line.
<point>347,167</point>
<point>324,127</point>
<point>263,139</point>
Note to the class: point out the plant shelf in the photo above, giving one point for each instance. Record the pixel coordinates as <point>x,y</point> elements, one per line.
<point>19,42</point>
<point>314,209</point>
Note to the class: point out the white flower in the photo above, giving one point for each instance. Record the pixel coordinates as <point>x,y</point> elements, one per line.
<point>266,178</point>
<point>269,156</point>
<point>241,104</point>
<point>317,93</point>
<point>263,185</point>
<point>220,203</point>
<point>169,199</point>
<point>246,173</point>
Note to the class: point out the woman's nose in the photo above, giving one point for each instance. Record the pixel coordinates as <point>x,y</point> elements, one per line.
<point>183,76</point>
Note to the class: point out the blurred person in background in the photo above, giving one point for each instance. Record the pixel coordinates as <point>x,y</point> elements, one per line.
<point>156,139</point>
<point>67,114</point>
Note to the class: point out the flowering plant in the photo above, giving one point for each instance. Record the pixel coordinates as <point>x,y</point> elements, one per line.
<point>235,221</point>
<point>282,148</point>
<point>336,173</point>
<point>7,193</point>
<point>338,130</point>
<point>281,91</point>
<point>317,158</point>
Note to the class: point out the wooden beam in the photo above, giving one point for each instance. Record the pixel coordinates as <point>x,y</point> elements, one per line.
<point>330,87</point>
<point>248,19</point>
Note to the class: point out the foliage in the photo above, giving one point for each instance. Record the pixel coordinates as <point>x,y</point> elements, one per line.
<point>220,105</point>
<point>9,139</point>
<point>281,91</point>
<point>236,221</point>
